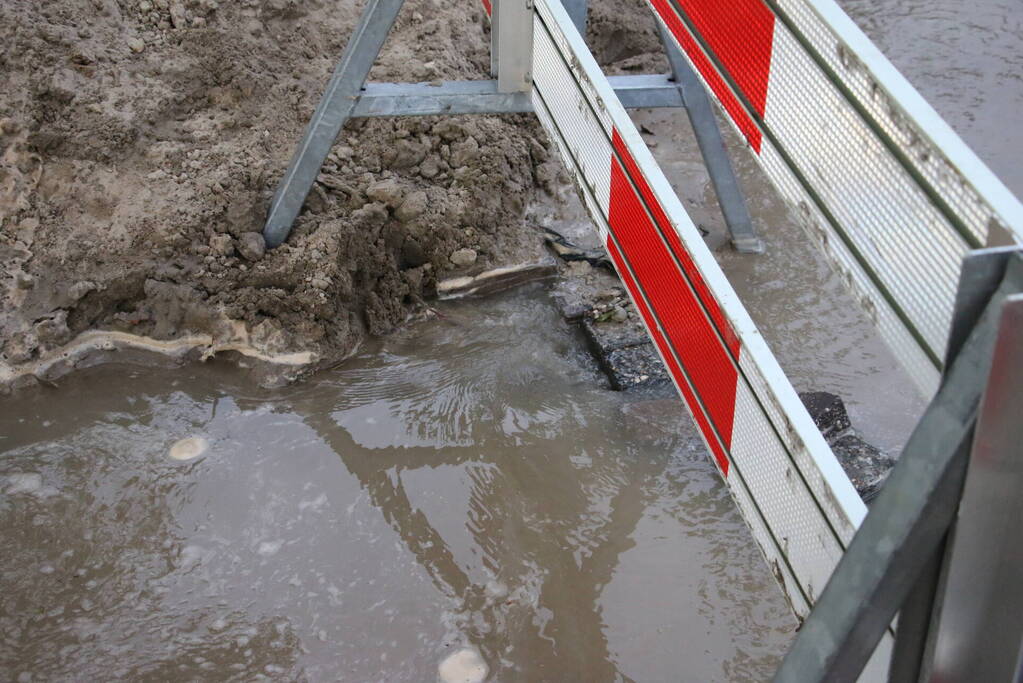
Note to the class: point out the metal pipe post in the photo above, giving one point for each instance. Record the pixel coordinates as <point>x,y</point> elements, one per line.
<point>334,109</point>
<point>513,44</point>
<point>712,147</point>
<point>577,10</point>
<point>979,630</point>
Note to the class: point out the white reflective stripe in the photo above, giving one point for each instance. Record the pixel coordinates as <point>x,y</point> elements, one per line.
<point>799,503</point>
<point>889,326</point>
<point>961,177</point>
<point>900,233</point>
<point>890,193</point>
<point>585,135</point>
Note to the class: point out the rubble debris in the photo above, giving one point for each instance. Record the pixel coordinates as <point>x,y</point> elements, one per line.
<point>569,252</point>
<point>866,466</point>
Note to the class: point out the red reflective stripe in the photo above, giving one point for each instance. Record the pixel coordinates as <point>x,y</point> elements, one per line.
<point>740,33</point>
<point>669,360</point>
<point>486,6</point>
<point>689,333</point>
<point>675,244</point>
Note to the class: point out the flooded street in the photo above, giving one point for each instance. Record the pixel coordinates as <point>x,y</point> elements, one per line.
<point>466,484</point>
<point>966,60</point>
<point>465,496</point>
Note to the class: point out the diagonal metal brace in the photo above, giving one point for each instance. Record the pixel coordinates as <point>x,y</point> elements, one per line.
<point>712,147</point>
<point>334,109</point>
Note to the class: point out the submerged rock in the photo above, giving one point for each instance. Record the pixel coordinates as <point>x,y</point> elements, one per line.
<point>866,466</point>
<point>828,412</point>
<point>188,449</point>
<point>463,666</point>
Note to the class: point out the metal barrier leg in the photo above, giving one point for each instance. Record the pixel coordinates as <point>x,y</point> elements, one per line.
<point>335,108</point>
<point>980,624</point>
<point>712,147</point>
<point>577,10</point>
<point>911,517</point>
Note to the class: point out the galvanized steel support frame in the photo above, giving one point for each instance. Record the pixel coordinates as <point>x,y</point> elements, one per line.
<point>898,552</point>
<point>712,148</point>
<point>349,96</point>
<point>335,107</point>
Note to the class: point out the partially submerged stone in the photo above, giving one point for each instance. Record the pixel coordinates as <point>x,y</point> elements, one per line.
<point>188,449</point>
<point>463,666</point>
<point>828,412</point>
<point>866,466</point>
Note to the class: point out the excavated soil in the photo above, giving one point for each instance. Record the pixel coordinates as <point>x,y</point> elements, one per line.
<point>140,142</point>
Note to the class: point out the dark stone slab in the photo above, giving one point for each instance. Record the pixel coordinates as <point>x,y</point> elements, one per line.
<point>636,368</point>
<point>867,467</point>
<point>828,413</point>
<point>610,336</point>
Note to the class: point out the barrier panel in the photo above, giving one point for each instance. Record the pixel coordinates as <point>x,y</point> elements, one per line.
<point>888,191</point>
<point>790,487</point>
<point>891,195</point>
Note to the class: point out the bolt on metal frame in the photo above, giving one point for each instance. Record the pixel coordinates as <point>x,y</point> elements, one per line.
<point>348,95</point>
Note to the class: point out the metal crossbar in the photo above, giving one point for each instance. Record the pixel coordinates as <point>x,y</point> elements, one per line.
<point>349,96</point>
<point>484,97</point>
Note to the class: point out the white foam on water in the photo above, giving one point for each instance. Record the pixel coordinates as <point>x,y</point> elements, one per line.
<point>464,666</point>
<point>188,449</point>
<point>268,548</point>
<point>23,482</point>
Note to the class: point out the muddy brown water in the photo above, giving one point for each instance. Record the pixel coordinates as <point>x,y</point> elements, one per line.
<point>465,483</point>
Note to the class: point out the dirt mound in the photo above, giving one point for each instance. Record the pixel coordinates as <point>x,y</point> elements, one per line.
<point>140,141</point>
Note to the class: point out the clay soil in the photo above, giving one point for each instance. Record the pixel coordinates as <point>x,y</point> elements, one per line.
<point>141,140</point>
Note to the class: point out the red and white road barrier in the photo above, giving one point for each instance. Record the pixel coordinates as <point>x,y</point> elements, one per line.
<point>801,506</point>
<point>888,191</point>
<point>797,500</point>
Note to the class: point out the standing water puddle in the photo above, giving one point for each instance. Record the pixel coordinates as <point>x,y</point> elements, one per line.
<point>462,489</point>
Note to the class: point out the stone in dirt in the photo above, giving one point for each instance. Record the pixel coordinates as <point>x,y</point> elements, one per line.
<point>413,207</point>
<point>463,258</point>
<point>222,245</point>
<point>388,192</point>
<point>252,246</point>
